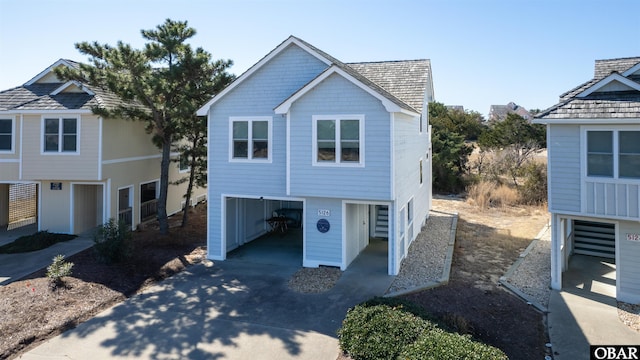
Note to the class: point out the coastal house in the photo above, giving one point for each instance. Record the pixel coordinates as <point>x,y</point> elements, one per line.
<point>68,170</point>
<point>593,139</point>
<point>341,152</point>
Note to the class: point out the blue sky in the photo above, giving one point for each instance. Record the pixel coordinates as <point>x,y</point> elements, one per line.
<point>482,52</point>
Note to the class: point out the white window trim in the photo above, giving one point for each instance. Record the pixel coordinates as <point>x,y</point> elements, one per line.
<point>60,117</point>
<point>13,135</point>
<point>616,154</point>
<point>270,142</point>
<point>180,170</point>
<point>337,118</point>
<point>421,172</point>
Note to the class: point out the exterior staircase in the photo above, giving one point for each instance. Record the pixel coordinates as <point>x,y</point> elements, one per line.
<point>382,222</point>
<point>595,239</point>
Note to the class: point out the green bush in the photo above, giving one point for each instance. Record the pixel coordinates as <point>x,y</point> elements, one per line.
<point>112,242</point>
<point>390,328</point>
<point>58,269</point>
<point>379,332</point>
<point>534,189</point>
<point>37,241</point>
<point>440,345</point>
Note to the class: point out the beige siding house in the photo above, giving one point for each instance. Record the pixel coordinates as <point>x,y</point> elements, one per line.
<point>68,170</point>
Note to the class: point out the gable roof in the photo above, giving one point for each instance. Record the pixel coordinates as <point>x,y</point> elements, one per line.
<point>612,95</point>
<point>384,80</point>
<point>46,93</point>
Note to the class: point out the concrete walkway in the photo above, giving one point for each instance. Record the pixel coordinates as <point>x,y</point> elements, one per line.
<point>16,266</point>
<point>235,309</point>
<point>585,311</point>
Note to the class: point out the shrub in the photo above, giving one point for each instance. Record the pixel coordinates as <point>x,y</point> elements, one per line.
<point>534,189</point>
<point>379,331</point>
<point>37,241</point>
<point>58,269</point>
<point>489,194</point>
<point>438,344</point>
<point>392,328</point>
<point>112,242</point>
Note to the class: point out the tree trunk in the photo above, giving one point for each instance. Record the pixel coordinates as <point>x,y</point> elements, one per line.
<point>192,176</point>
<point>163,221</point>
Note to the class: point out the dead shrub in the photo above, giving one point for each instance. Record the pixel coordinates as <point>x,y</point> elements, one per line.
<point>487,194</point>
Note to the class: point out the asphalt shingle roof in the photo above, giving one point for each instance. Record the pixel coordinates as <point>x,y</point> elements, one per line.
<point>599,105</point>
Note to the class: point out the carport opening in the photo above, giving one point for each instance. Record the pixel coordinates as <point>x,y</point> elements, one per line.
<point>264,231</point>
<point>592,266</point>
<point>18,206</point>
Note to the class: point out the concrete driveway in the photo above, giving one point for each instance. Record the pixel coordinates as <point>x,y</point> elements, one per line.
<point>225,310</point>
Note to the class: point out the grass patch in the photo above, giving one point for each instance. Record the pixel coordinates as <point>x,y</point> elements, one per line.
<point>34,242</point>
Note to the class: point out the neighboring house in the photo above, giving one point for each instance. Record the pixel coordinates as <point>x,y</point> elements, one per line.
<point>500,112</point>
<point>593,140</point>
<point>344,148</point>
<point>69,170</point>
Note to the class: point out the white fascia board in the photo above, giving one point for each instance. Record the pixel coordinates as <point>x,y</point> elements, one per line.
<point>204,110</point>
<point>618,121</point>
<point>388,105</point>
<point>48,70</point>
<point>72,83</point>
<point>609,79</point>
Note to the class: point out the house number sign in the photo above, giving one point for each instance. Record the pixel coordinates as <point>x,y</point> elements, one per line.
<point>324,212</point>
<point>633,237</point>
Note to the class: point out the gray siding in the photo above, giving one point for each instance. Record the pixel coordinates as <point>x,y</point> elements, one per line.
<point>628,269</point>
<point>338,96</point>
<point>563,145</point>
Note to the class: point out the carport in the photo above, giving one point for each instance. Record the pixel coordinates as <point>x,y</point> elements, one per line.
<point>264,230</point>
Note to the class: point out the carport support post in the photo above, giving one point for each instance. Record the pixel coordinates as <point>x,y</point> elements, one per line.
<point>556,252</point>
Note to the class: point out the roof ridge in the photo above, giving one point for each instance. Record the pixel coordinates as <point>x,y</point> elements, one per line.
<point>387,61</point>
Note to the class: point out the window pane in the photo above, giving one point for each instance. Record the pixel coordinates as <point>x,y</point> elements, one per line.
<point>350,151</point>
<point>260,149</point>
<point>326,151</point>
<point>349,130</point>
<point>51,126</point>
<point>240,149</point>
<point>5,142</point>
<point>241,130</point>
<point>51,143</point>
<point>260,130</point>
<point>600,142</point>
<point>69,126</point>
<point>630,142</point>
<point>69,143</point>
<point>600,165</point>
<point>5,126</point>
<point>326,129</point>
<point>629,166</point>
<point>184,163</point>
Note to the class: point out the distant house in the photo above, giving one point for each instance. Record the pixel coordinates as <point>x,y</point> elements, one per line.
<point>459,108</point>
<point>68,170</point>
<point>500,112</point>
<point>593,139</point>
<point>341,150</point>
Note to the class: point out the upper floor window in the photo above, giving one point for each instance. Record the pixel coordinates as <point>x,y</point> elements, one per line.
<point>250,138</point>
<point>613,153</point>
<point>60,135</point>
<point>338,140</point>
<point>183,164</point>
<point>6,135</point>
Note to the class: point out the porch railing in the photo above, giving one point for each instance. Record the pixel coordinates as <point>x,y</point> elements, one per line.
<point>148,209</point>
<point>126,216</point>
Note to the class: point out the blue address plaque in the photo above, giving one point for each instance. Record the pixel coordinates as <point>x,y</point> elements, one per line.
<point>323,225</point>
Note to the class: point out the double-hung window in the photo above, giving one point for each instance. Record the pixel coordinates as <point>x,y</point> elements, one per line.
<point>338,140</point>
<point>613,153</point>
<point>60,135</point>
<point>6,135</point>
<point>250,137</point>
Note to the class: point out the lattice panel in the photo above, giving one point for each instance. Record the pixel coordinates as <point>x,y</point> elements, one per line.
<point>23,205</point>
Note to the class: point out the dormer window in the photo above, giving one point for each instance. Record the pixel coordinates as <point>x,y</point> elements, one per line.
<point>60,135</point>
